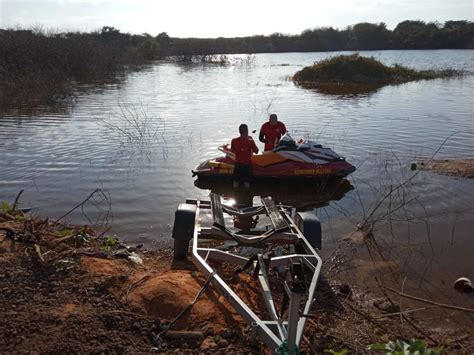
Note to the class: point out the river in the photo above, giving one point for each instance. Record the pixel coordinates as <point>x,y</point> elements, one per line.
<point>59,155</point>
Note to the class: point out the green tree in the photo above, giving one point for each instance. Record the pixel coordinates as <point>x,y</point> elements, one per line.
<point>370,36</point>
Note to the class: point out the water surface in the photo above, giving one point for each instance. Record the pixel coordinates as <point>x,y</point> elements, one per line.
<point>60,156</point>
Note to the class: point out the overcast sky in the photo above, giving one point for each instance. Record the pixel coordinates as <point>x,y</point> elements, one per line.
<point>220,18</point>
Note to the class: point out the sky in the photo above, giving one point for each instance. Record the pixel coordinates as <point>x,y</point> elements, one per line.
<point>221,18</point>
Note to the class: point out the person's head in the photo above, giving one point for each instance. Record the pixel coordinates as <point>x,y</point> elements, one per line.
<point>243,130</point>
<point>273,119</point>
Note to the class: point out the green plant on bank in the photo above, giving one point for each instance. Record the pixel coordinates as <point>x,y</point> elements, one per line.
<point>109,243</point>
<point>401,347</point>
<point>65,232</point>
<point>80,237</point>
<point>5,207</point>
<point>83,237</point>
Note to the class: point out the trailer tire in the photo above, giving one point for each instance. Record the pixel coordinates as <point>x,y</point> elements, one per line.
<point>309,224</point>
<point>183,229</point>
<point>180,248</point>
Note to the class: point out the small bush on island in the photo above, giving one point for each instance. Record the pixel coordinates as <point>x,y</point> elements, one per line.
<point>354,70</point>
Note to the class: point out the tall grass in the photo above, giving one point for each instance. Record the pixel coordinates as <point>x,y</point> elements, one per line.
<point>132,124</point>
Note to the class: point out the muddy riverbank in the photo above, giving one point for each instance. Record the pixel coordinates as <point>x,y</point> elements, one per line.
<point>69,289</point>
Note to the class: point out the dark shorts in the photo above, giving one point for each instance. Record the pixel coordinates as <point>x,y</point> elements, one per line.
<point>243,172</point>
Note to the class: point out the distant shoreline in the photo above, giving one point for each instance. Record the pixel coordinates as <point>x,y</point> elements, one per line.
<point>45,64</point>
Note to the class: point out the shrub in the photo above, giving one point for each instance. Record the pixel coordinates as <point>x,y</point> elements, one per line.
<point>357,70</point>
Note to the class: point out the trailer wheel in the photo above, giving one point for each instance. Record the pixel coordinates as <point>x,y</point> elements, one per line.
<point>180,248</point>
<point>308,223</point>
<point>183,229</point>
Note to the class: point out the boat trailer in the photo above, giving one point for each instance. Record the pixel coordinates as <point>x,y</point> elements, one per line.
<point>282,253</point>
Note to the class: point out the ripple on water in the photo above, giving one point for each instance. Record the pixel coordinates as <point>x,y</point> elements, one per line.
<point>60,158</point>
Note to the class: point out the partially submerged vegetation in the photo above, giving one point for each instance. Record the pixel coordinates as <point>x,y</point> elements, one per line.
<point>44,66</point>
<point>452,167</point>
<point>355,71</point>
<point>73,55</point>
<point>218,59</point>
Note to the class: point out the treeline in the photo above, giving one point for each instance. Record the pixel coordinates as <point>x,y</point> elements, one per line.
<point>81,55</point>
<point>44,65</point>
<point>362,36</point>
<point>72,55</point>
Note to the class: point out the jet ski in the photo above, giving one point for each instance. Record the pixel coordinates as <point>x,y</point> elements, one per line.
<point>289,159</point>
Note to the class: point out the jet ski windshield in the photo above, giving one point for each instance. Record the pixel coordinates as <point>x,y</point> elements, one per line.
<point>286,141</point>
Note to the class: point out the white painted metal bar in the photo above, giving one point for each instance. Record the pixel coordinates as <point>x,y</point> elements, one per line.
<point>293,318</point>
<point>223,256</point>
<point>311,290</point>
<point>283,260</point>
<point>275,331</point>
<point>263,331</point>
<point>268,298</point>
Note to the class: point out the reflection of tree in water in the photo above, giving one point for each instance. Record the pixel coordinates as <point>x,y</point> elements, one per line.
<point>304,196</point>
<point>34,96</point>
<point>346,90</point>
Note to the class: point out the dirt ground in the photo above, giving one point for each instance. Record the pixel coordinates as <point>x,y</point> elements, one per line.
<point>452,167</point>
<point>77,293</point>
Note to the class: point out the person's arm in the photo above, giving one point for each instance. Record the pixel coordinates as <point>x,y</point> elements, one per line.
<point>283,128</point>
<point>261,137</point>
<point>232,146</point>
<point>254,148</point>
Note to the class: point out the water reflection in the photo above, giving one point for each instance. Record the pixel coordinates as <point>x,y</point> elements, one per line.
<point>345,90</point>
<point>55,96</point>
<point>37,100</point>
<point>304,196</point>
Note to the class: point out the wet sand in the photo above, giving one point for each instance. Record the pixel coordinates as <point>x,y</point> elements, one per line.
<point>463,168</point>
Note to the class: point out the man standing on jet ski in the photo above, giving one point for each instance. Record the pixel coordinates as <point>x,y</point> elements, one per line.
<point>243,147</point>
<point>271,132</point>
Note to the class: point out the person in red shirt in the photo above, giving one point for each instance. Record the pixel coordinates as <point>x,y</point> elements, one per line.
<point>243,147</point>
<point>271,132</point>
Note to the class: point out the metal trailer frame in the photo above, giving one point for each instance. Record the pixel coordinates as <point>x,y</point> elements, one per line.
<point>276,332</point>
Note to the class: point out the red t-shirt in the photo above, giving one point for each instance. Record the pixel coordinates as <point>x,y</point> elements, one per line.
<point>272,133</point>
<point>243,148</point>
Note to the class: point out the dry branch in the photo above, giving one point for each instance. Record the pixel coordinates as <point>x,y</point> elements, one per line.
<point>15,204</point>
<point>438,304</point>
<point>405,312</point>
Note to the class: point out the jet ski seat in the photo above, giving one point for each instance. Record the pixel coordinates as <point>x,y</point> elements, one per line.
<point>280,148</point>
<point>267,158</point>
